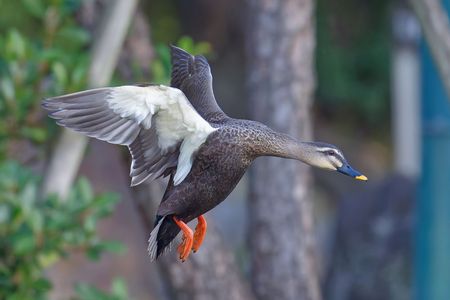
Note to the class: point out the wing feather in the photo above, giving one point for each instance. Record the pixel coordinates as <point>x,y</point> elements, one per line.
<point>158,124</point>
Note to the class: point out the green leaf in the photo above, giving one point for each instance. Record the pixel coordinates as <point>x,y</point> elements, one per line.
<point>36,134</point>
<point>23,243</point>
<point>5,214</point>
<point>105,204</point>
<point>84,189</point>
<point>15,45</point>
<point>42,285</point>
<point>60,73</point>
<point>50,54</point>
<point>73,37</point>
<point>34,7</point>
<point>79,75</point>
<point>28,197</point>
<point>90,223</point>
<point>203,48</point>
<point>7,89</point>
<point>88,292</point>
<point>186,43</point>
<point>200,48</point>
<point>159,73</point>
<point>36,220</point>
<point>94,252</point>
<point>48,259</point>
<point>113,246</point>
<point>119,288</point>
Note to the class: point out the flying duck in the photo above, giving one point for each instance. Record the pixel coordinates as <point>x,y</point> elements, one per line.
<point>181,132</point>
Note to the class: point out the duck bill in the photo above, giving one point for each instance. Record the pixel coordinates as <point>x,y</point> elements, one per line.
<point>349,171</point>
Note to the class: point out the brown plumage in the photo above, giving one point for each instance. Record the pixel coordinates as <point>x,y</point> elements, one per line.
<point>167,136</point>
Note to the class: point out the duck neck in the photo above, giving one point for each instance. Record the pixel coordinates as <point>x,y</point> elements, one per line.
<point>282,145</point>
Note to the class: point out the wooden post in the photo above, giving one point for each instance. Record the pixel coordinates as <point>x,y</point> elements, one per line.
<point>432,264</point>
<point>405,92</point>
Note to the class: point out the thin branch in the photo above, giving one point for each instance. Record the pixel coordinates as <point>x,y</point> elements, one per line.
<point>70,147</point>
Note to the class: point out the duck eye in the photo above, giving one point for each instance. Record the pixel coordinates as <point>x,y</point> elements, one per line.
<point>331,153</point>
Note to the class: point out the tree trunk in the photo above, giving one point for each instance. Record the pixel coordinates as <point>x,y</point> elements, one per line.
<point>281,82</point>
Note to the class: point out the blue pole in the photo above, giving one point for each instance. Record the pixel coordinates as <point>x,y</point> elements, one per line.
<point>432,278</point>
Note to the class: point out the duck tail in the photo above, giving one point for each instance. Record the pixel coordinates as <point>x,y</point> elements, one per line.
<point>182,66</point>
<point>185,67</point>
<point>162,235</point>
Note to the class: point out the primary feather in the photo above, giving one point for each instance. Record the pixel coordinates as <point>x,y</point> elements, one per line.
<point>158,124</point>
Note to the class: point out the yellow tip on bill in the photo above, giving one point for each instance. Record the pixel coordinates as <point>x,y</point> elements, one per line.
<point>361,177</point>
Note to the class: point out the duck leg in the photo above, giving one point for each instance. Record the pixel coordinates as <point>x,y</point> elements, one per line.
<point>186,244</point>
<point>200,232</point>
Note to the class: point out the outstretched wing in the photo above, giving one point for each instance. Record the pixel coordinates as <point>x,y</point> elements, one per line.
<point>157,123</point>
<point>192,75</point>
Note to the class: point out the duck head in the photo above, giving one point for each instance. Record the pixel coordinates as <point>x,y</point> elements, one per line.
<point>326,156</point>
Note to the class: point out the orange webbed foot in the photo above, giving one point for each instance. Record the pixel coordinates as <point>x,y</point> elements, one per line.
<point>186,244</point>
<point>200,232</point>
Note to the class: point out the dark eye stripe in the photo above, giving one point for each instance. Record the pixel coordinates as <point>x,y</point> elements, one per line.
<point>334,153</point>
<point>329,152</point>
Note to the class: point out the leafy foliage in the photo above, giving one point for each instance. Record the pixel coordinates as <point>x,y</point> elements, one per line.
<point>352,50</point>
<point>37,231</point>
<point>118,291</point>
<point>40,55</point>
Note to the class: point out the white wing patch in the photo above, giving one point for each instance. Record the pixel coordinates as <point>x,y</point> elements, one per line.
<point>146,115</point>
<point>176,120</point>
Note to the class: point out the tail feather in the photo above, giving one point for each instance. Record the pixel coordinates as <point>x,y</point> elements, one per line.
<point>186,67</point>
<point>182,66</point>
<point>162,235</point>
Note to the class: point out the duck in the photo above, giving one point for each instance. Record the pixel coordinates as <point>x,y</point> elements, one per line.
<point>180,132</point>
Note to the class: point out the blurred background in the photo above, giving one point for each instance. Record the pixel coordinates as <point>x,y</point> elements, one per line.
<point>358,74</point>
